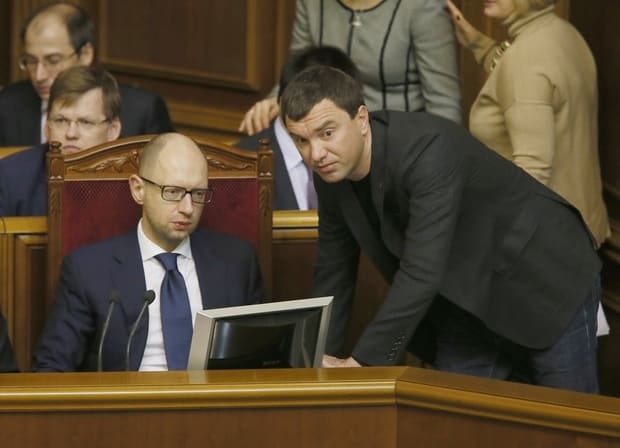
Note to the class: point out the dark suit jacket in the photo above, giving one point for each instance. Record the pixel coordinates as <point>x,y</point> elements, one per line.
<point>7,358</point>
<point>283,194</point>
<point>228,275</point>
<point>142,112</point>
<point>23,183</point>
<point>456,220</point>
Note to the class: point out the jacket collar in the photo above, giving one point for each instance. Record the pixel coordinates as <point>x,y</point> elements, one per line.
<point>531,20</point>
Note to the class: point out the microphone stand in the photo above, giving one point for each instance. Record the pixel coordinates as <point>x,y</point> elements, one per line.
<point>114,298</point>
<point>148,298</point>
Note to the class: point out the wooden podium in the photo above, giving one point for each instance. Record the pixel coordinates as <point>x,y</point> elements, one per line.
<point>363,407</point>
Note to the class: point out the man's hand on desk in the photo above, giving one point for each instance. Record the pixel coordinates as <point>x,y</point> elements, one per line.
<point>331,361</point>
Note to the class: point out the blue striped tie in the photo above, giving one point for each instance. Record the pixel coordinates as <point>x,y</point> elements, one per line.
<point>176,315</point>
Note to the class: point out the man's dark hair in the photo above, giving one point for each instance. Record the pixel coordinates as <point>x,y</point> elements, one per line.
<point>80,28</point>
<point>318,83</point>
<point>74,82</point>
<point>319,55</point>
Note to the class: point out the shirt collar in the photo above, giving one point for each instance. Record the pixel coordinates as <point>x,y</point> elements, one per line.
<point>291,155</point>
<point>148,249</point>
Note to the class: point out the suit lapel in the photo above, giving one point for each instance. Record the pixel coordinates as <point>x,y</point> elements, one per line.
<point>381,184</point>
<point>128,277</point>
<point>211,272</point>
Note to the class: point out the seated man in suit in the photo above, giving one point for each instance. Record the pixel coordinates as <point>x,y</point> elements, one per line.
<point>214,270</point>
<point>293,187</point>
<point>7,358</point>
<point>56,37</point>
<point>504,269</point>
<point>84,111</point>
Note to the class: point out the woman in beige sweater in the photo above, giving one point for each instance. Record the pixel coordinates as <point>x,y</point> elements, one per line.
<point>538,106</point>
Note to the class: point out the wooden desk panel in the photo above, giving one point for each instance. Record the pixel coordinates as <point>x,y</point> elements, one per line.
<point>365,407</point>
<point>23,244</point>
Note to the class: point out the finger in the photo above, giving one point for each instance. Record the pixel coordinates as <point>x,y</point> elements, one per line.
<point>246,123</point>
<point>260,119</point>
<point>454,11</point>
<point>331,361</point>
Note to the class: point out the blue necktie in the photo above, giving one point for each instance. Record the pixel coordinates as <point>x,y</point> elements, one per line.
<point>176,315</point>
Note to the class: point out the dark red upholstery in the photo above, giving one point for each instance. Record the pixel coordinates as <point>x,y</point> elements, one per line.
<point>234,208</point>
<point>94,210</point>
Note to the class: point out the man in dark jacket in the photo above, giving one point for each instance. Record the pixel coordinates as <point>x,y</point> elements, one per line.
<point>503,268</point>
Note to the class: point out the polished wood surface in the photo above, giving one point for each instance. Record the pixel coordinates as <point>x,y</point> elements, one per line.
<point>367,407</point>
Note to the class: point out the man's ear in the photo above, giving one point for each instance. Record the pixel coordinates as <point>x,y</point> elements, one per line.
<point>86,55</point>
<point>363,119</point>
<point>136,186</point>
<point>114,129</point>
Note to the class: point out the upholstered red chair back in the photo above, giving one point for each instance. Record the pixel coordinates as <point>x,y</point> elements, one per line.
<point>89,198</point>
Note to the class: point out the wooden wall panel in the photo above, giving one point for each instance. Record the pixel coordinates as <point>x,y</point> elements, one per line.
<point>210,60</point>
<point>184,49</point>
<point>5,43</point>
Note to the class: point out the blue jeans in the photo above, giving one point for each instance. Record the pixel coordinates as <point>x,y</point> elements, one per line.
<point>465,345</point>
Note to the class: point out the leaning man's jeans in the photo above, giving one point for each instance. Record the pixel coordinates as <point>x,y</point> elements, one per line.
<point>465,345</point>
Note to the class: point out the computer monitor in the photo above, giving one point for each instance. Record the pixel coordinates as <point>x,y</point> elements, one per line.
<point>289,333</point>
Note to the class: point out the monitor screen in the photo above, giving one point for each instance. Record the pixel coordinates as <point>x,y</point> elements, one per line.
<point>282,334</point>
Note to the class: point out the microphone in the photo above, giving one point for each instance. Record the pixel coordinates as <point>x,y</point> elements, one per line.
<point>114,298</point>
<point>148,298</point>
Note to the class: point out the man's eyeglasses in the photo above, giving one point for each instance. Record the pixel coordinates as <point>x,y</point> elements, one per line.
<point>172,193</point>
<point>50,62</point>
<point>83,124</point>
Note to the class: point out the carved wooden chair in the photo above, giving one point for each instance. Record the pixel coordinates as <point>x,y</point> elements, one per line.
<point>89,197</point>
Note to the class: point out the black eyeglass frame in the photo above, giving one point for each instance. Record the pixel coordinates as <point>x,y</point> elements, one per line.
<point>162,188</point>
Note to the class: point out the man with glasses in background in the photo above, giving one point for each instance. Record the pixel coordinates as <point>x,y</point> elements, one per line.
<point>187,269</point>
<point>84,111</point>
<point>56,37</point>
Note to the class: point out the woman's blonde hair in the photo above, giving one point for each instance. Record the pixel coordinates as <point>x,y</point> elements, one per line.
<point>524,6</point>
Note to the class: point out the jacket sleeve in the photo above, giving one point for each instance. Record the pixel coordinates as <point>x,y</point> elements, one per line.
<point>525,94</point>
<point>69,327</point>
<point>5,195</point>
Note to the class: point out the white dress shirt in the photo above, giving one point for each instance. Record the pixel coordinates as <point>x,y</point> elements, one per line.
<point>298,172</point>
<point>154,357</point>
<point>43,120</point>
